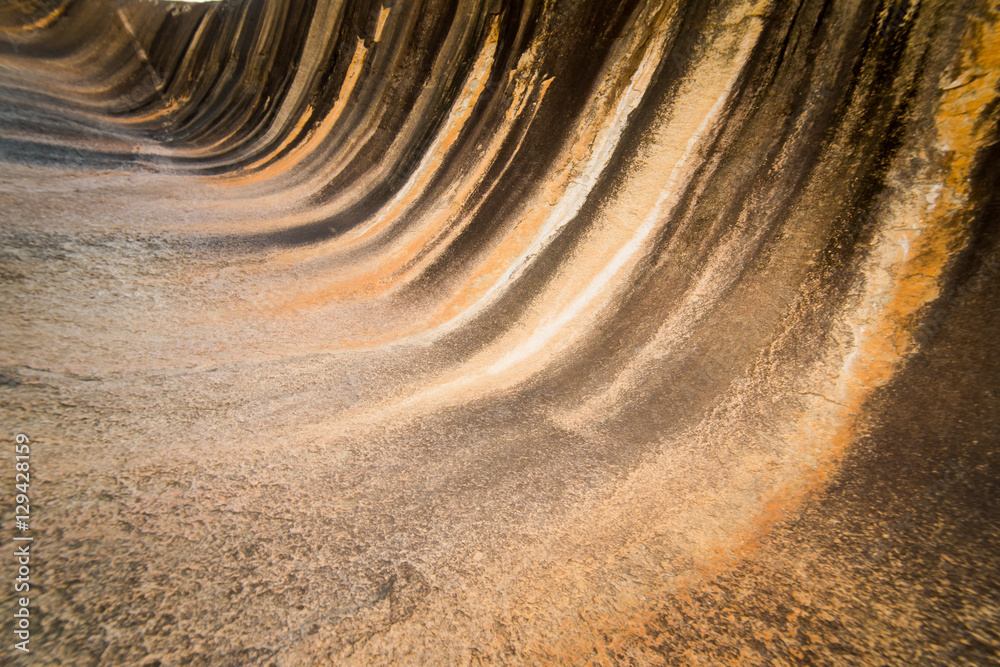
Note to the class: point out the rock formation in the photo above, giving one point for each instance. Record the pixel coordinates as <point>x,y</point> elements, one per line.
<point>515,332</point>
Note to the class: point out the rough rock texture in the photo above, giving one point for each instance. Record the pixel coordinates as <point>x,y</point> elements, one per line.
<point>503,332</point>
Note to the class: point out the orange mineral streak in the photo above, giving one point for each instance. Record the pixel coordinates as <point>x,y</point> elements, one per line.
<point>350,143</point>
<point>331,288</point>
<point>383,15</point>
<point>429,238</point>
<point>407,259</point>
<point>315,137</point>
<point>962,129</point>
<point>292,136</point>
<point>406,262</point>
<point>23,9</point>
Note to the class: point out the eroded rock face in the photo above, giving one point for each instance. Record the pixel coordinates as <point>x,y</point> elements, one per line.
<point>504,332</point>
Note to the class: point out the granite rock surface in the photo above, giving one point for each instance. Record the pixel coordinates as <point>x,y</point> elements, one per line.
<point>527,332</point>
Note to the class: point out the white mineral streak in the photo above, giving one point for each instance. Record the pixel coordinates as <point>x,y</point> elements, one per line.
<point>595,276</point>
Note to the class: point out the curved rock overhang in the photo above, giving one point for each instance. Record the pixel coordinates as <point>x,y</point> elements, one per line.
<point>523,332</point>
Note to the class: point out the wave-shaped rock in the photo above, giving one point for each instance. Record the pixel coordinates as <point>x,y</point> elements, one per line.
<point>563,332</point>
